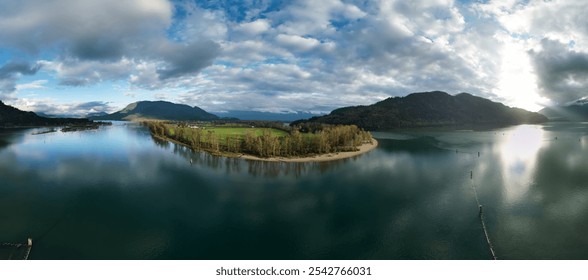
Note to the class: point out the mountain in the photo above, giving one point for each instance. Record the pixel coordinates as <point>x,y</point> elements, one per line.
<point>426,109</point>
<point>10,116</point>
<point>265,116</point>
<point>45,115</point>
<point>576,111</point>
<point>161,110</point>
<point>96,114</point>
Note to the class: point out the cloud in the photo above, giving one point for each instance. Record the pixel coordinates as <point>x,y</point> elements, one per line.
<point>186,59</point>
<point>296,54</point>
<point>253,28</point>
<point>313,17</point>
<point>9,74</point>
<point>14,68</point>
<point>297,43</point>
<point>97,41</point>
<point>354,53</point>
<point>50,107</point>
<point>38,84</point>
<point>562,72</point>
<point>85,29</point>
<point>555,36</point>
<point>93,106</point>
<point>75,72</point>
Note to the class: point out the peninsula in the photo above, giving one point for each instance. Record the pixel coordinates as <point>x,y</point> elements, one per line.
<point>286,144</point>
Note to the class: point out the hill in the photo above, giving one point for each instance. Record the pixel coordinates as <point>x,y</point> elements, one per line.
<point>577,111</point>
<point>160,110</point>
<point>11,117</point>
<point>428,109</point>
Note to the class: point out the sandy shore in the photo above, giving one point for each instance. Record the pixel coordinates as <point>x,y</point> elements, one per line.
<point>325,157</point>
<point>318,158</point>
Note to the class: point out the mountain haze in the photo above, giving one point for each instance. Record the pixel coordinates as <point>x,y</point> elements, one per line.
<point>161,110</point>
<point>577,111</point>
<point>427,109</point>
<point>266,116</point>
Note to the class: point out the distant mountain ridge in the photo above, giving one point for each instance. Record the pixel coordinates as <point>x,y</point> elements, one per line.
<point>161,110</point>
<point>10,117</point>
<point>577,111</point>
<point>266,116</point>
<point>428,109</point>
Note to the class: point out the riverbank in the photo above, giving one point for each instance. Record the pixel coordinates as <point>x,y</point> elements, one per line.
<point>320,158</point>
<point>314,158</point>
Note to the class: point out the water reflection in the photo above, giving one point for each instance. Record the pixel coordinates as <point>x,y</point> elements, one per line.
<point>518,153</point>
<point>256,168</point>
<point>119,194</point>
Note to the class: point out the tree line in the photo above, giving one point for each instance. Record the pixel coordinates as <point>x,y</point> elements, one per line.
<point>327,139</point>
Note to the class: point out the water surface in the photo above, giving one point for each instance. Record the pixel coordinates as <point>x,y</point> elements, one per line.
<point>116,193</point>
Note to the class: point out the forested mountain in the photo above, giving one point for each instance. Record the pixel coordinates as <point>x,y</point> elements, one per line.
<point>160,110</point>
<point>10,116</point>
<point>577,111</point>
<point>427,109</point>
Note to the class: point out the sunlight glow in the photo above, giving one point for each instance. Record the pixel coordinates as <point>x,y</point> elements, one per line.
<point>517,81</point>
<point>519,153</point>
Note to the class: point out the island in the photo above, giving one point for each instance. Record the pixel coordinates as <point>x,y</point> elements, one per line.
<point>275,142</point>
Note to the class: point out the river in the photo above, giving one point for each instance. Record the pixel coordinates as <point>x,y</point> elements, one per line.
<point>117,193</point>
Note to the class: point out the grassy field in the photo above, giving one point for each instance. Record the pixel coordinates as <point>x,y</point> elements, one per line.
<point>263,141</point>
<point>240,132</point>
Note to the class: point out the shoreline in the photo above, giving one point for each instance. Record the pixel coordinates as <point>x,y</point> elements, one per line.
<point>364,148</point>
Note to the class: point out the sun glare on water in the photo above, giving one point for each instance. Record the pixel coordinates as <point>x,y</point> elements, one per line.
<point>518,153</point>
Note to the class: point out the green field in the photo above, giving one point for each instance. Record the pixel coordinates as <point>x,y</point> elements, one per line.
<point>262,141</point>
<point>240,132</point>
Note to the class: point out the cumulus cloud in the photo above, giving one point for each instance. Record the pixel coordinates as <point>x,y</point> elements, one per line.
<point>352,54</point>
<point>297,43</point>
<point>314,17</point>
<point>562,72</point>
<point>10,72</point>
<point>83,29</point>
<point>71,109</point>
<point>555,36</point>
<point>186,59</point>
<point>253,28</point>
<point>301,55</point>
<point>98,41</point>
<point>75,72</point>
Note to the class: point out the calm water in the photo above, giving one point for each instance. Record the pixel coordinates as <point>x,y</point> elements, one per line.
<point>116,193</point>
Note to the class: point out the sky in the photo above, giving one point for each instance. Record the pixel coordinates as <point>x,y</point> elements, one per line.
<point>86,56</point>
